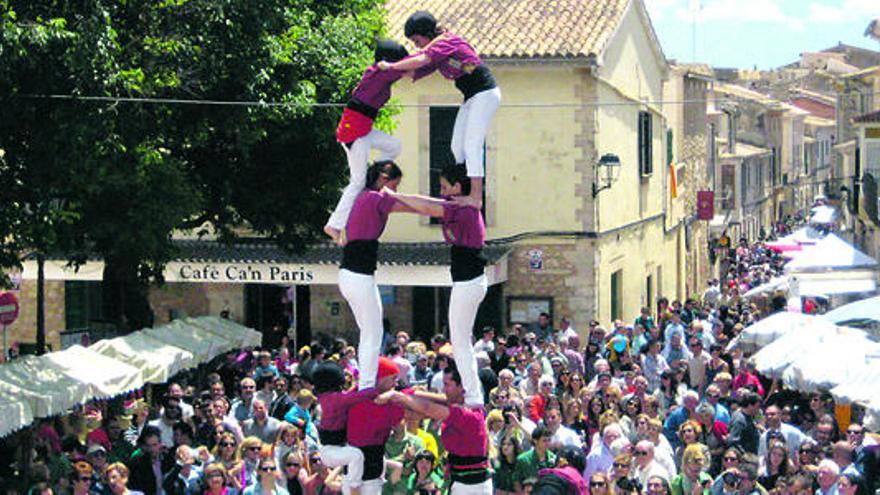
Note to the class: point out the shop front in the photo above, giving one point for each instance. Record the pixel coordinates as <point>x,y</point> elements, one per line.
<point>273,291</point>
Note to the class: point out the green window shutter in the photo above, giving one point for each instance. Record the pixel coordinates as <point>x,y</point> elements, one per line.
<point>75,305</point>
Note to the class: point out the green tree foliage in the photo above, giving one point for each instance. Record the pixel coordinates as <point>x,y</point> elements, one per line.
<point>115,178</point>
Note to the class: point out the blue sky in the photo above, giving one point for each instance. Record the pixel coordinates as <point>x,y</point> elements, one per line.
<point>762,33</point>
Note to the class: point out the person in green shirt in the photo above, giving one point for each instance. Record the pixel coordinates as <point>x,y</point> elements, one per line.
<point>121,449</point>
<point>425,480</point>
<point>692,480</point>
<point>401,449</point>
<point>538,457</point>
<point>505,466</point>
<point>644,319</point>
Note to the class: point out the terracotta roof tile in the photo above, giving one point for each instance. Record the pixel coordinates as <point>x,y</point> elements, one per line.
<point>520,28</point>
<point>260,250</point>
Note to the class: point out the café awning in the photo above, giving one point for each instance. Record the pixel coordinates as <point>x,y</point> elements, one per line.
<point>261,262</point>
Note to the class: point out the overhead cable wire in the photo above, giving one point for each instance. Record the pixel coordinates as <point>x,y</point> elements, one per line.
<point>264,104</point>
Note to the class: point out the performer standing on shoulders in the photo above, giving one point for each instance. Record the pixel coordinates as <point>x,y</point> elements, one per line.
<point>356,134</point>
<point>465,231</point>
<point>457,60</point>
<point>357,282</point>
<point>463,432</point>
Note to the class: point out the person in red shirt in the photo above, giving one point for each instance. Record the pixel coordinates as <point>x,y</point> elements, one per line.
<point>369,426</point>
<point>463,432</point>
<point>746,377</point>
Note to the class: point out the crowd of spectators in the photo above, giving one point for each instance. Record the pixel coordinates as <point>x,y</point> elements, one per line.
<point>658,405</point>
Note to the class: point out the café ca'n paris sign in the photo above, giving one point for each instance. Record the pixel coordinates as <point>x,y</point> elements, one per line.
<point>239,273</point>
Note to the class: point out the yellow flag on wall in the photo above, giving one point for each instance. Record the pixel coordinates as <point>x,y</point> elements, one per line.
<point>673,184</point>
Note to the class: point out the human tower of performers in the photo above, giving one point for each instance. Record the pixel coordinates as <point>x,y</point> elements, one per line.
<point>357,223</point>
<point>659,407</point>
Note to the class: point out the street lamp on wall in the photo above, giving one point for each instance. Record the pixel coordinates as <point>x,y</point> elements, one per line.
<point>607,171</point>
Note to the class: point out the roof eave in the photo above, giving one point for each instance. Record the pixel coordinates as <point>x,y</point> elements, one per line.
<point>572,60</point>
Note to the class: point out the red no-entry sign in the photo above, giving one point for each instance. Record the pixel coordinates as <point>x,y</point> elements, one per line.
<point>8,308</point>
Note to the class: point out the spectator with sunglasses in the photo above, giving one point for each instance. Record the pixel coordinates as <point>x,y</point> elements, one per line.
<point>424,480</point>
<point>246,472</point>
<point>83,478</point>
<point>322,478</point>
<point>226,452</point>
<point>646,466</point>
<point>864,453</point>
<point>295,472</point>
<point>215,481</point>
<point>267,477</point>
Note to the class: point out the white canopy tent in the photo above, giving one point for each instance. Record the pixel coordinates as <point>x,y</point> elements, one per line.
<point>823,215</point>
<point>203,344</point>
<point>772,285</point>
<point>830,253</point>
<point>240,336</point>
<point>861,387</point>
<point>14,414</point>
<point>44,388</point>
<point>811,345</point>
<point>157,360</point>
<point>864,311</point>
<point>803,235</point>
<point>777,325</point>
<point>37,387</point>
<point>106,377</point>
<point>832,361</point>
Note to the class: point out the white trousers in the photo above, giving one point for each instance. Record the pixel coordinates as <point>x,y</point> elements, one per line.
<point>470,129</point>
<point>363,298</point>
<point>338,455</point>
<point>464,301</point>
<point>484,488</point>
<point>374,486</point>
<point>358,158</point>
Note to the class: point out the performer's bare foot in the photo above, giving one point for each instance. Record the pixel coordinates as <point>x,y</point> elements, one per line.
<point>334,234</point>
<point>475,198</point>
<point>468,201</point>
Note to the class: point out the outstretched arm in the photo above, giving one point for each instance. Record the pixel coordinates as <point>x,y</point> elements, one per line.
<point>407,64</point>
<point>424,205</point>
<point>427,407</point>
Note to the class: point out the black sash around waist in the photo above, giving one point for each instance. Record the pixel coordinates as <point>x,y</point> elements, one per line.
<point>374,461</point>
<point>333,437</point>
<point>469,470</point>
<point>466,263</point>
<point>362,108</point>
<point>479,80</point>
<point>360,256</point>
